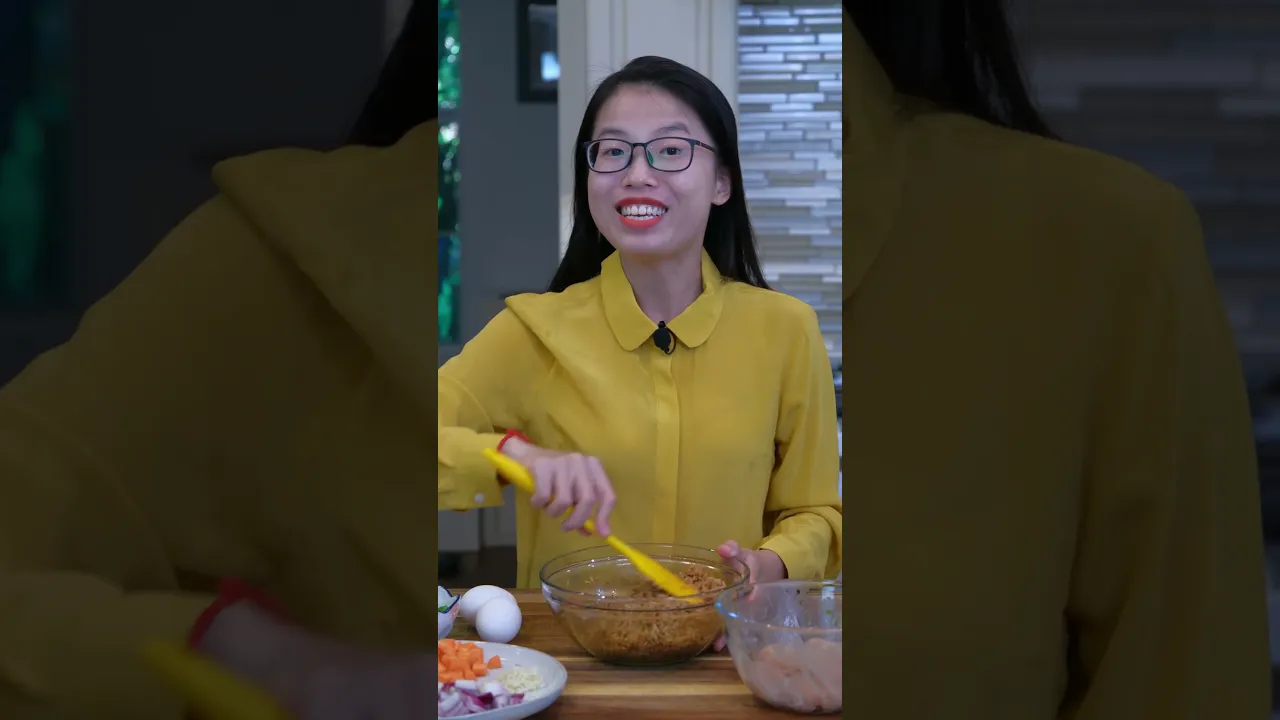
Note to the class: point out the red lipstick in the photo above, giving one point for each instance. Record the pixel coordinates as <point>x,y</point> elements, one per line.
<point>636,222</point>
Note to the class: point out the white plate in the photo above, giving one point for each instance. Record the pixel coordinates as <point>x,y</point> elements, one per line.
<point>553,675</point>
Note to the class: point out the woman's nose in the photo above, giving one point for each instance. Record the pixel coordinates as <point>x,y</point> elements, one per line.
<point>639,172</point>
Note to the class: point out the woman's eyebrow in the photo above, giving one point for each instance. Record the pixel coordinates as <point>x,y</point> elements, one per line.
<point>618,133</point>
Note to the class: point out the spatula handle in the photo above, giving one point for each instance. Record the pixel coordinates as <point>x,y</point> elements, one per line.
<point>512,471</point>
<point>217,694</point>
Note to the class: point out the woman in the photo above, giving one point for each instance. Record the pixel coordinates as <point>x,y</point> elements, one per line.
<point>1053,508</point>
<point>626,381</point>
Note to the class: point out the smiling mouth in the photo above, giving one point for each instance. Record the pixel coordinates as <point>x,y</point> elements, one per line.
<point>641,213</point>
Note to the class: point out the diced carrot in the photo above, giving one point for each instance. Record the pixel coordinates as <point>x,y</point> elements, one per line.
<point>458,660</point>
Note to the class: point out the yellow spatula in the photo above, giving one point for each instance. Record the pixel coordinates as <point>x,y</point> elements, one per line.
<point>517,475</point>
<point>212,692</point>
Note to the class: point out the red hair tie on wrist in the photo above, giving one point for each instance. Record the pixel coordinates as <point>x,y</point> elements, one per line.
<point>512,434</point>
<point>230,592</point>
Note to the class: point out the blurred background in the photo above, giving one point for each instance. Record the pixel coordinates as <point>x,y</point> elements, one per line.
<point>109,126</point>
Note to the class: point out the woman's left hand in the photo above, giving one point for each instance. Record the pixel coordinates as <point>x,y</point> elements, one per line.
<point>763,566</point>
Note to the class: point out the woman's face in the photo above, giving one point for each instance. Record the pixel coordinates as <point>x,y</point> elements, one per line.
<point>641,210</point>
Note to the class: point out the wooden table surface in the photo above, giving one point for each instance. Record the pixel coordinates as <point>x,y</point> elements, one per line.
<point>704,688</point>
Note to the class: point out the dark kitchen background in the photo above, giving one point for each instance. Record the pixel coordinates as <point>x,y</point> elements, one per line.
<point>1189,89</point>
<point>109,125</point>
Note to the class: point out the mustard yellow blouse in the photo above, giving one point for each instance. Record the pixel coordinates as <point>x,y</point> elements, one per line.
<point>732,436</point>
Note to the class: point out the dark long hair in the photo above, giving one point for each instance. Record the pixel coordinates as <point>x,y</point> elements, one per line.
<point>400,100</point>
<point>729,240</point>
<point>959,55</point>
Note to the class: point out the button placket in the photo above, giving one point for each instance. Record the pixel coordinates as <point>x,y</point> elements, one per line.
<point>666,464</point>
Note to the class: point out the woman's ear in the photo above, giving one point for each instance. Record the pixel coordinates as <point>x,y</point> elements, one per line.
<point>724,187</point>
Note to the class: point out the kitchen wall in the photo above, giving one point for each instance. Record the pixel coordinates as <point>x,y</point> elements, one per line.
<point>1190,90</point>
<point>509,205</point>
<point>789,104</point>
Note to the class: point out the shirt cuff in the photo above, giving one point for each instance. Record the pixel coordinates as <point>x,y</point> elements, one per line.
<point>796,556</point>
<point>469,481</point>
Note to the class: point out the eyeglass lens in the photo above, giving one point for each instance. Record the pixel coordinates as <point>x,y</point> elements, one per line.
<point>665,154</point>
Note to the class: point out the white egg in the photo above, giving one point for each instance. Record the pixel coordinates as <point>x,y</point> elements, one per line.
<point>476,597</point>
<point>498,620</point>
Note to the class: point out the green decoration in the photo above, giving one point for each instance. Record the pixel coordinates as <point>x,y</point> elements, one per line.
<point>34,68</point>
<point>448,93</point>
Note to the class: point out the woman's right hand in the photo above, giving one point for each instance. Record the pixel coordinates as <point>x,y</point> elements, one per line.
<point>564,480</point>
<point>316,678</point>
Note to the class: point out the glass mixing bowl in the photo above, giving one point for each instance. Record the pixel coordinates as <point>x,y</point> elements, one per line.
<point>785,640</point>
<point>615,614</point>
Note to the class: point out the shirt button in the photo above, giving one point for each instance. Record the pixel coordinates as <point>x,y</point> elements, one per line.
<point>479,498</point>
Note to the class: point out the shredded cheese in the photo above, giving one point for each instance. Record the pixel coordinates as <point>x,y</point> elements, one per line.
<point>521,679</point>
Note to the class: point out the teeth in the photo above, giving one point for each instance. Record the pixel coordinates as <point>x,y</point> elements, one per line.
<point>642,211</point>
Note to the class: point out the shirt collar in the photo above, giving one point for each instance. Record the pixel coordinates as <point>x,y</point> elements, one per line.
<point>632,327</point>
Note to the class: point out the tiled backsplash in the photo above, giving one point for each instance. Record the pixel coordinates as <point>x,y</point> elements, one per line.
<point>789,106</point>
<point>1190,90</point>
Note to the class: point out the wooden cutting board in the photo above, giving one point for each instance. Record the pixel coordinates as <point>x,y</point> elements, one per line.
<point>705,688</point>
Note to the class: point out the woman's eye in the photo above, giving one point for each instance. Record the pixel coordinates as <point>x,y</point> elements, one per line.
<point>613,152</point>
<point>672,151</point>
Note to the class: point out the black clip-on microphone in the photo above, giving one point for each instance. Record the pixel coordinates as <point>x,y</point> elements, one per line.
<point>664,339</point>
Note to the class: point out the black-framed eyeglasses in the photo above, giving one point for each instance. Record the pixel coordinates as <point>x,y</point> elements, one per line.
<point>666,154</point>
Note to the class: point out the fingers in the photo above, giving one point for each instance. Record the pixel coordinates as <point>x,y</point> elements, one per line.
<point>753,575</point>
<point>583,488</point>
<point>573,481</point>
<point>604,495</point>
<point>561,489</point>
<point>729,549</point>
<point>543,470</point>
